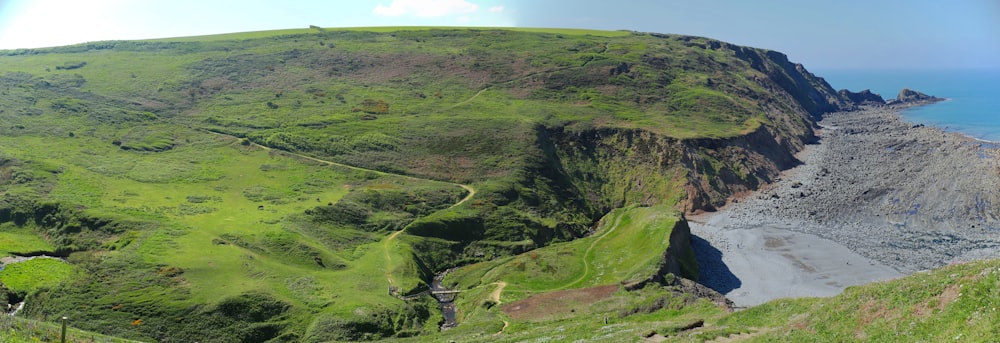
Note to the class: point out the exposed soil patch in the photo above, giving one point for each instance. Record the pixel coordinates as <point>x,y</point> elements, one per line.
<point>545,306</point>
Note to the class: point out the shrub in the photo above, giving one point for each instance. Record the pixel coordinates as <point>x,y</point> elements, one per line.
<point>372,106</point>
<point>70,66</point>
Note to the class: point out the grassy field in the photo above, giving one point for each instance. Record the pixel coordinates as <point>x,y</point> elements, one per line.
<point>30,276</point>
<point>14,239</point>
<point>294,185</point>
<point>617,252</point>
<point>228,219</point>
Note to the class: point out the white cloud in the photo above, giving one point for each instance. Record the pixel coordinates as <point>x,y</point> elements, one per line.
<point>496,9</point>
<point>425,8</point>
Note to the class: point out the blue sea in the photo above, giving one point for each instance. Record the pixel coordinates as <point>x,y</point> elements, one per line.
<point>973,107</point>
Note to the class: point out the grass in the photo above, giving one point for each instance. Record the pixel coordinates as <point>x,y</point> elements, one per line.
<point>953,303</point>
<point>617,252</point>
<point>30,276</point>
<point>17,330</point>
<point>386,29</point>
<point>957,302</point>
<point>295,169</point>
<point>15,240</point>
<point>206,189</point>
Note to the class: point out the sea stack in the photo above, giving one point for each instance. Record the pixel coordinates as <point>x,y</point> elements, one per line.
<point>909,97</point>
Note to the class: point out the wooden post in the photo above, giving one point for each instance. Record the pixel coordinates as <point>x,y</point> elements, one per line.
<point>63,336</point>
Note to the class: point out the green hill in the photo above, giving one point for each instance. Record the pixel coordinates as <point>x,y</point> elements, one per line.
<point>954,303</point>
<point>306,185</point>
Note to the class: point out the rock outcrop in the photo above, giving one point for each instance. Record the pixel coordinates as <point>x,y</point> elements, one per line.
<point>862,98</point>
<point>908,97</point>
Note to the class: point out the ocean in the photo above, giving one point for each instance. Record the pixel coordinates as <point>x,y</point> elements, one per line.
<point>973,107</point>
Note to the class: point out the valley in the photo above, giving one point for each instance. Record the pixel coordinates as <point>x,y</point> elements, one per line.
<point>310,185</point>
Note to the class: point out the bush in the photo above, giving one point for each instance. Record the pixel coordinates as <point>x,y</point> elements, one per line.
<point>344,212</point>
<point>70,66</point>
<point>372,106</point>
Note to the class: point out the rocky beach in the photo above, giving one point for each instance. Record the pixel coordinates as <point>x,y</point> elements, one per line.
<point>875,198</point>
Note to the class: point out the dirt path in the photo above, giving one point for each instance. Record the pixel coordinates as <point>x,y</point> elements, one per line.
<point>392,237</point>
<point>496,298</point>
<point>505,325</point>
<point>586,254</point>
<point>522,77</point>
<point>496,293</point>
<point>472,192</point>
<point>473,97</point>
<point>388,256</point>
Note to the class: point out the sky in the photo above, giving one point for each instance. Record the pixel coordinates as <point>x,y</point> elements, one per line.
<point>822,34</point>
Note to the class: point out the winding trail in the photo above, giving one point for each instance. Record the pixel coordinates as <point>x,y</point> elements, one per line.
<point>522,77</point>
<point>386,244</point>
<point>586,264</point>
<point>496,298</point>
<point>473,97</point>
<point>505,325</point>
<point>472,192</point>
<point>586,254</point>
<point>388,257</point>
<point>496,293</point>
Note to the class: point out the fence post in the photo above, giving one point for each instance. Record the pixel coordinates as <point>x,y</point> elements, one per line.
<point>62,338</point>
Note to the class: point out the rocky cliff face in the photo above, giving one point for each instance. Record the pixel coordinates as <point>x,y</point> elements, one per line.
<point>809,92</point>
<point>722,168</point>
<point>622,167</point>
<point>616,167</point>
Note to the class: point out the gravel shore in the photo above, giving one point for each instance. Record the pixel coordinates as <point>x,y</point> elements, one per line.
<point>897,194</point>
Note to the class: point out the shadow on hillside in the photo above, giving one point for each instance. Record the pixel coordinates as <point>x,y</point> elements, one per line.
<point>714,273</point>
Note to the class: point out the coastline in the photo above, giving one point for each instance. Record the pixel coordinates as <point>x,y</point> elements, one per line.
<point>903,197</point>
<point>957,128</point>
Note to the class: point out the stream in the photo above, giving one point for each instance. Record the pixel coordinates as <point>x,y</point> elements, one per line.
<point>445,301</point>
<point>13,309</point>
<point>4,261</point>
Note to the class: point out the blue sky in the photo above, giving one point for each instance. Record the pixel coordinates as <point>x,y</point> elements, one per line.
<point>822,34</point>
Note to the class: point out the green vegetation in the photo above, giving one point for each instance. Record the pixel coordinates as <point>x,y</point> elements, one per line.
<point>617,252</point>
<point>30,276</point>
<point>957,302</point>
<point>17,330</point>
<point>306,185</point>
<point>20,240</point>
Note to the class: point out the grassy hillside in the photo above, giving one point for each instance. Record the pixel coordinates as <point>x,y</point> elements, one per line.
<point>305,185</point>
<point>618,251</point>
<point>955,303</point>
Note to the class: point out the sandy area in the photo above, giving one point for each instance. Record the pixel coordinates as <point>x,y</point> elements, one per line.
<point>751,266</point>
<point>875,199</point>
